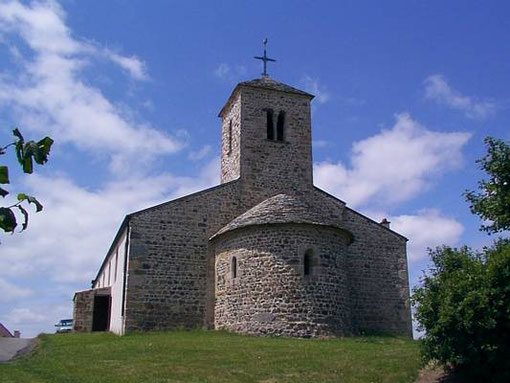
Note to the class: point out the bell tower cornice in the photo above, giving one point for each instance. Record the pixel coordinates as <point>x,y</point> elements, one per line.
<point>262,83</point>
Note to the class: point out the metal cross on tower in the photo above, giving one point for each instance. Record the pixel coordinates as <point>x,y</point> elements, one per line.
<point>265,59</point>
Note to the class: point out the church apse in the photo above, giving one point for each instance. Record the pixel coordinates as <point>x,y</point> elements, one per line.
<point>290,276</point>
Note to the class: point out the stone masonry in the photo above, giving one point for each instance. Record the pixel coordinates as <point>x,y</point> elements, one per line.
<point>265,252</point>
<point>84,308</point>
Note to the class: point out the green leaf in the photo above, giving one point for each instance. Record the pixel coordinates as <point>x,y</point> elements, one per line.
<point>19,146</point>
<point>7,220</point>
<point>3,192</point>
<point>28,152</point>
<point>4,175</point>
<point>28,166</point>
<point>42,151</point>
<point>492,201</point>
<point>37,151</point>
<point>17,134</point>
<point>25,215</point>
<point>30,199</point>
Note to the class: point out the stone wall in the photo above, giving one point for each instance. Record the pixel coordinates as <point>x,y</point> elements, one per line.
<point>231,140</point>
<point>83,311</point>
<point>169,271</point>
<point>378,278</point>
<point>271,293</point>
<point>275,166</point>
<point>171,280</point>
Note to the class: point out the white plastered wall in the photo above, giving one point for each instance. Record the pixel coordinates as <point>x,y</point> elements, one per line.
<point>112,276</point>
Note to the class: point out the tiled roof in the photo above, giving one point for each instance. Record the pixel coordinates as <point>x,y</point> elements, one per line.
<point>265,83</point>
<point>269,83</point>
<point>4,332</point>
<point>281,208</point>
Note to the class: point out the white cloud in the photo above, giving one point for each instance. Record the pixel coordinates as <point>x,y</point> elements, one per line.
<point>227,72</point>
<point>438,89</point>
<point>208,176</point>
<point>39,316</point>
<point>222,71</point>
<point>312,86</point>
<point>196,155</point>
<point>427,229</point>
<point>22,315</point>
<point>51,95</point>
<point>392,166</point>
<point>15,53</point>
<point>352,101</point>
<point>136,68</point>
<point>40,25</point>
<point>10,292</point>
<point>32,317</point>
<point>67,241</point>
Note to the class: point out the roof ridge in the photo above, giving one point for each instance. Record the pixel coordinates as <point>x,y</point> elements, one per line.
<point>264,83</point>
<point>269,83</point>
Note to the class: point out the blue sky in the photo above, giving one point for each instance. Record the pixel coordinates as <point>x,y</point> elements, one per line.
<point>130,91</point>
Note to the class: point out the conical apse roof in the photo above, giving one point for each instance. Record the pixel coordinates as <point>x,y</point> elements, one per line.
<point>281,208</point>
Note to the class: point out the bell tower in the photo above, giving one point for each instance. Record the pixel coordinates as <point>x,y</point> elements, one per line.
<point>266,136</point>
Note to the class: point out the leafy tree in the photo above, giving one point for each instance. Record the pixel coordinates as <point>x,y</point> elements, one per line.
<point>492,203</point>
<point>463,304</point>
<point>463,301</point>
<point>26,153</point>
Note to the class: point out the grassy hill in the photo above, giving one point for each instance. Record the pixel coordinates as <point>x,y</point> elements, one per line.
<point>208,356</point>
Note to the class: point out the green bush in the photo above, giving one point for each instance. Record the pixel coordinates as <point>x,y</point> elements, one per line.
<point>463,305</point>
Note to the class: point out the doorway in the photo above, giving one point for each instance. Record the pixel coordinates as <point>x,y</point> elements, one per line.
<point>101,315</point>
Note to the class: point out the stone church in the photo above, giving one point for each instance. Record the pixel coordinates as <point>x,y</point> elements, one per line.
<point>265,252</point>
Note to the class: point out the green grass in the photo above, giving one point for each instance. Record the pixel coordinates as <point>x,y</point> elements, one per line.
<point>208,356</point>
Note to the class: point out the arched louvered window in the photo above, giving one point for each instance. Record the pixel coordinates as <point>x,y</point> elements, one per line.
<point>280,125</point>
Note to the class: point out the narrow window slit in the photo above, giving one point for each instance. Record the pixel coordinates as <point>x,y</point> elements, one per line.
<point>280,126</point>
<point>307,262</point>
<point>234,267</point>
<point>270,125</point>
<point>230,137</point>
